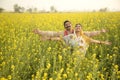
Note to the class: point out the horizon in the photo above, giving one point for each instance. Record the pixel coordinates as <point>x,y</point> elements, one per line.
<point>63,5</point>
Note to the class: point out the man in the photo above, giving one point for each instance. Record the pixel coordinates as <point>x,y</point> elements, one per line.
<point>53,35</point>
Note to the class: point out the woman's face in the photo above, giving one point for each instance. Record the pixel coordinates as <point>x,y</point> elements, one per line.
<point>78,28</point>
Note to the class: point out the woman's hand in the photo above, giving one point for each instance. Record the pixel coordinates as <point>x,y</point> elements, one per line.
<point>107,43</point>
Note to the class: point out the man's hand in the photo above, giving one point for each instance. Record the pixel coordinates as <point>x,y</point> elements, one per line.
<point>36,31</point>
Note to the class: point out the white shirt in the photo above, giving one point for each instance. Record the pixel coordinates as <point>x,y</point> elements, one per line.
<point>74,40</point>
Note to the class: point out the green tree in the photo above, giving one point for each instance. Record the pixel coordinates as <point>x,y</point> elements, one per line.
<point>53,9</point>
<point>35,9</point>
<point>30,10</point>
<point>22,9</point>
<point>18,8</point>
<point>1,10</point>
<point>103,10</point>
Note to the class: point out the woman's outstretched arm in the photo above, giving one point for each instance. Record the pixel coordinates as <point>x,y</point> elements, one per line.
<point>100,42</point>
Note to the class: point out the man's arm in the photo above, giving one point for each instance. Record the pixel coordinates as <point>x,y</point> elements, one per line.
<point>51,38</point>
<point>48,33</point>
<point>55,38</point>
<point>94,33</point>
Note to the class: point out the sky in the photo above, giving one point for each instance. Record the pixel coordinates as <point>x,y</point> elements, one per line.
<point>63,5</point>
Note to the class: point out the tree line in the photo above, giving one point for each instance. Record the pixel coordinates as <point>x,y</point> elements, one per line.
<point>20,9</point>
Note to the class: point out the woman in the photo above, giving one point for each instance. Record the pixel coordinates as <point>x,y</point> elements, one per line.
<point>78,39</point>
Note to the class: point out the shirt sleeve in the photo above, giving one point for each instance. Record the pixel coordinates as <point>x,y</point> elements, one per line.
<point>52,33</point>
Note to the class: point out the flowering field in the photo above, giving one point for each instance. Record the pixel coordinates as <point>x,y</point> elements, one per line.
<point>24,57</point>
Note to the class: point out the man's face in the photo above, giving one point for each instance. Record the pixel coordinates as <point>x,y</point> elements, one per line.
<point>68,26</point>
<point>78,28</point>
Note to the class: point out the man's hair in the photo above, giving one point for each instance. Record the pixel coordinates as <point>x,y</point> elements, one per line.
<point>66,22</point>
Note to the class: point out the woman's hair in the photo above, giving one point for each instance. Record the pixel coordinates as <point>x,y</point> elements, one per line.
<point>78,24</point>
<point>87,39</point>
<point>81,32</point>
